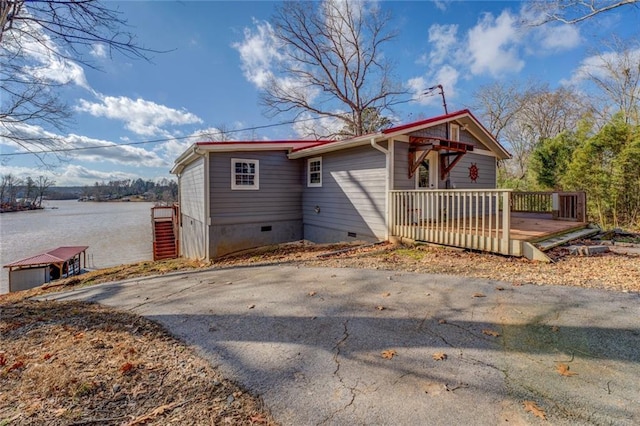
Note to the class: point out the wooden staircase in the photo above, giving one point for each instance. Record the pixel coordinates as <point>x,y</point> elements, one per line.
<point>165,232</point>
<point>535,250</point>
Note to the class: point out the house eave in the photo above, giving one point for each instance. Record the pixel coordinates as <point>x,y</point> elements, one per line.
<point>201,148</point>
<point>336,146</point>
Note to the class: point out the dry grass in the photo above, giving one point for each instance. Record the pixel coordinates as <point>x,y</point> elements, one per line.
<point>72,363</point>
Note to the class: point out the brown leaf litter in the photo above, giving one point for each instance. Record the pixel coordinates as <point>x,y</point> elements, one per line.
<point>77,363</point>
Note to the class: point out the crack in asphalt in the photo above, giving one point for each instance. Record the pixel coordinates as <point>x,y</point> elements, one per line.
<point>336,372</point>
<point>165,296</point>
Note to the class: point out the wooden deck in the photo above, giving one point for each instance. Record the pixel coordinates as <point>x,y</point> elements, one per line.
<point>534,227</point>
<point>493,220</point>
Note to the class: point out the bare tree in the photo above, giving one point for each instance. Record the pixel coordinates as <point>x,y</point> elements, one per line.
<point>575,11</point>
<point>497,104</point>
<point>42,184</point>
<point>9,188</point>
<point>36,35</point>
<point>332,64</point>
<point>525,115</point>
<point>220,133</point>
<point>616,73</point>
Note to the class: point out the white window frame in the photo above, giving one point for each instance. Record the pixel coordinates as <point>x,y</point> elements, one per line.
<point>319,172</point>
<point>256,174</point>
<point>454,128</point>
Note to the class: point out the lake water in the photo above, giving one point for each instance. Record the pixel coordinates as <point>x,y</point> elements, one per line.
<point>116,233</point>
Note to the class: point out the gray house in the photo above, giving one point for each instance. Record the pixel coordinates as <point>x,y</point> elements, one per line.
<point>238,195</point>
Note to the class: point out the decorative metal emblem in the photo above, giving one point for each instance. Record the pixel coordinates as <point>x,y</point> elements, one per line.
<point>473,172</point>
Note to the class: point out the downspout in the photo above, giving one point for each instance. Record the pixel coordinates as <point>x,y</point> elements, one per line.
<point>387,154</point>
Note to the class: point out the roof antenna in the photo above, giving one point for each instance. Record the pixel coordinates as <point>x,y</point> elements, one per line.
<point>430,90</point>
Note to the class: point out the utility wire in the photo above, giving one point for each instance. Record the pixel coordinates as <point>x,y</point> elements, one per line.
<point>115,145</point>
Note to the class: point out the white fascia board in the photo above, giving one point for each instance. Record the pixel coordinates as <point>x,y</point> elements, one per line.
<point>184,159</point>
<point>197,150</point>
<point>335,146</point>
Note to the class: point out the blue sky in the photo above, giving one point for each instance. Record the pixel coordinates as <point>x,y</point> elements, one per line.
<point>217,52</point>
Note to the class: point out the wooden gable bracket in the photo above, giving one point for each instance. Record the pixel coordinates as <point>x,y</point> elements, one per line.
<point>436,144</point>
<point>413,163</point>
<point>444,169</point>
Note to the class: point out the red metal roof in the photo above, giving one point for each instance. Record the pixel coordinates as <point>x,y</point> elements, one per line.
<point>58,255</point>
<point>429,120</point>
<point>285,144</point>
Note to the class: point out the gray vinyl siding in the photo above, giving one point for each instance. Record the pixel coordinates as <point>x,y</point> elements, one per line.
<point>279,196</point>
<point>192,211</point>
<point>401,179</point>
<point>440,131</point>
<point>459,176</point>
<point>243,219</point>
<point>351,199</point>
<point>192,190</point>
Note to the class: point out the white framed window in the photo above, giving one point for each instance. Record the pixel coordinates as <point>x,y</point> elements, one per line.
<point>245,174</point>
<point>454,132</point>
<point>314,171</point>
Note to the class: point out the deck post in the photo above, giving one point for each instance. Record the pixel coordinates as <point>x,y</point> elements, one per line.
<point>506,221</point>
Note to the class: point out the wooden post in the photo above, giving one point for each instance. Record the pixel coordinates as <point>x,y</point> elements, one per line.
<point>506,221</point>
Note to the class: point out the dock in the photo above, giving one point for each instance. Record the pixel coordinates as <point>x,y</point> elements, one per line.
<point>45,267</point>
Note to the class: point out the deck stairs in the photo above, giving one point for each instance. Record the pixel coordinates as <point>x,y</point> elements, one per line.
<point>534,250</point>
<point>165,234</point>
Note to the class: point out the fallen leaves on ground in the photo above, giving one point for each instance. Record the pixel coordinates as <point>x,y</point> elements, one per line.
<point>478,295</point>
<point>532,407</point>
<point>380,308</point>
<point>387,294</point>
<point>79,363</point>
<point>312,293</point>
<point>442,321</point>
<point>489,332</point>
<point>563,369</point>
<point>439,356</point>
<point>388,354</point>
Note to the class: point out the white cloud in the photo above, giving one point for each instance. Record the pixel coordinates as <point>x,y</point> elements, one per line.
<point>598,65</point>
<point>141,117</point>
<point>561,37</point>
<point>441,4</point>
<point>69,175</point>
<point>41,57</point>
<point>258,53</point>
<point>306,128</point>
<point>74,175</point>
<point>83,148</point>
<point>493,45</point>
<point>444,39</point>
<point>447,76</point>
<point>98,50</point>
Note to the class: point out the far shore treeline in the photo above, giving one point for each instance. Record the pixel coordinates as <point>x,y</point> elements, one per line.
<point>18,194</point>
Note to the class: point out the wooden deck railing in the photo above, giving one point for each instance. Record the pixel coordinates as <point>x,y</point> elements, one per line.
<point>562,205</point>
<point>570,206</point>
<point>532,202</point>
<point>475,219</point>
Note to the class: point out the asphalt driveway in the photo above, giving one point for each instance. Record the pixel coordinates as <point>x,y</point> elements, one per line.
<point>351,346</point>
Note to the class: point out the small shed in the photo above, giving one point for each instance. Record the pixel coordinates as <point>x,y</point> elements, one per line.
<point>44,267</point>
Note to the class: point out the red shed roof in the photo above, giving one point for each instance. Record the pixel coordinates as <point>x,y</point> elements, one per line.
<point>58,255</point>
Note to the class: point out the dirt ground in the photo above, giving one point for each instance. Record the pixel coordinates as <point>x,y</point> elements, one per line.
<point>81,364</point>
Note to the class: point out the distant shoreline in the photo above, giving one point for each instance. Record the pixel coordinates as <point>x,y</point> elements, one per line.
<point>14,209</point>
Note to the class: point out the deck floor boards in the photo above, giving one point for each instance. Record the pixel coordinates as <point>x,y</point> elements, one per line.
<point>536,226</point>
<point>524,226</point>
